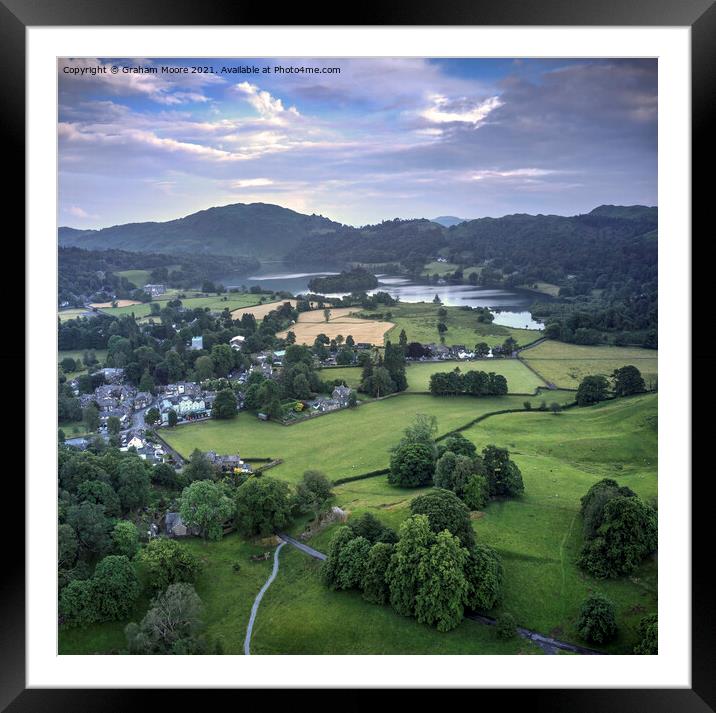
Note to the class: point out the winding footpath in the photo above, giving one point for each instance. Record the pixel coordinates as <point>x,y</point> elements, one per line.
<point>546,643</point>
<point>257,601</point>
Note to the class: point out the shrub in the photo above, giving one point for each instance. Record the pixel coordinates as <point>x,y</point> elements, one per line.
<point>506,626</point>
<point>597,622</point>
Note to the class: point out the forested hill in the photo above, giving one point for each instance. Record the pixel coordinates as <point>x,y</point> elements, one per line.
<point>539,247</point>
<point>256,229</point>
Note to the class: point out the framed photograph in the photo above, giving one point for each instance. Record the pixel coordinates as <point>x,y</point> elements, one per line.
<point>344,346</point>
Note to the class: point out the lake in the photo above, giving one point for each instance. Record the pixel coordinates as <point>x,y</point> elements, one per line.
<point>510,306</point>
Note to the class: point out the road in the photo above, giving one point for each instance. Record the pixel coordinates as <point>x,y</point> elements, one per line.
<point>257,601</point>
<point>546,643</point>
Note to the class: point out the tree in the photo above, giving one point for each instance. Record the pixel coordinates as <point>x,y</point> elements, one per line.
<point>67,546</point>
<point>133,481</point>
<point>402,339</point>
<point>503,475</point>
<point>91,527</point>
<point>374,584</point>
<point>330,567</point>
<point>649,632</point>
<point>168,562</point>
<point>352,399</point>
<point>312,493</point>
<point>152,416</point>
<point>263,505</point>
<point>204,505</point>
<point>369,526</point>
<point>457,444</point>
<point>125,539</point>
<point>477,492</point>
<point>77,603</point>
<point>442,586</point>
<point>453,472</point>
<point>484,574</point>
<point>592,390</point>
<point>445,511</point>
<point>198,467</point>
<point>597,621</point>
<point>224,405</point>
<point>301,387</point>
<point>164,474</point>
<point>172,625</point>
<point>222,356</point>
<point>352,563</point>
<point>626,535</point>
<point>628,381</point>
<point>411,465</point>
<point>146,383</point>
<point>90,418</point>
<point>114,426</point>
<point>204,368</point>
<point>404,572</point>
<point>101,493</point>
<point>115,588</point>
<point>172,418</point>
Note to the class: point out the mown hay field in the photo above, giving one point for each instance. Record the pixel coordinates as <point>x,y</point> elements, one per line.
<point>311,324</point>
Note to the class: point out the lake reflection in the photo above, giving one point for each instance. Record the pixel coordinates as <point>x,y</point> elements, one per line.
<point>510,306</point>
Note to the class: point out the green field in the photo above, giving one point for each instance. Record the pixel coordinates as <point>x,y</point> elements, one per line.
<point>539,535</point>
<point>520,380</point>
<point>341,444</point>
<point>298,615</point>
<point>567,364</point>
<point>420,320</point>
<point>74,313</point>
<point>76,354</point>
<point>138,278</point>
<point>439,268</point>
<point>231,301</point>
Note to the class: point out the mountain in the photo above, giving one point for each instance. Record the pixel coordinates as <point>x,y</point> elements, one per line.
<point>256,229</point>
<point>447,221</point>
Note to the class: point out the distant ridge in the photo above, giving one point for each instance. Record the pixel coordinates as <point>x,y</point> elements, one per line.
<point>256,229</point>
<point>448,221</point>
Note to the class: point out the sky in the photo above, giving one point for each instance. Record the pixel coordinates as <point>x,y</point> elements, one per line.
<point>379,139</point>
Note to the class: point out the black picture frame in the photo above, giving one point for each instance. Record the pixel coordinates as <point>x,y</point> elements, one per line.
<point>699,15</point>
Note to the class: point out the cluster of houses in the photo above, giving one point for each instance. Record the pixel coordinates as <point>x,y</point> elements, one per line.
<point>339,399</point>
<point>186,399</point>
<point>115,399</point>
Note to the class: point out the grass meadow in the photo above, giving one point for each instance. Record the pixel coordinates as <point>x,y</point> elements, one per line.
<point>420,322</point>
<point>539,535</point>
<point>567,364</point>
<point>217,303</point>
<point>341,444</point>
<point>520,380</point>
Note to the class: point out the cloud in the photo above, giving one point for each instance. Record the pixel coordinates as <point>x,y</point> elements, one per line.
<point>269,107</point>
<point>252,182</point>
<point>78,212</point>
<point>444,110</point>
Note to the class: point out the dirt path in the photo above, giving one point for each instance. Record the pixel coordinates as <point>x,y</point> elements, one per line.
<point>546,643</point>
<point>257,601</point>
